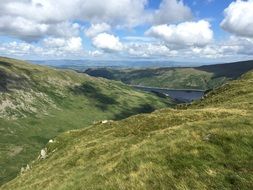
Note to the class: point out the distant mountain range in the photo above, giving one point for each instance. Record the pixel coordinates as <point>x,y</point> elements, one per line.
<point>82,65</point>
<point>203,77</point>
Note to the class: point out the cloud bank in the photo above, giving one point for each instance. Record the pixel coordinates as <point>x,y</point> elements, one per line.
<point>184,34</point>
<point>125,28</point>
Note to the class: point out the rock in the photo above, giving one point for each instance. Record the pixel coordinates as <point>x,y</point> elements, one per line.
<point>51,141</point>
<point>22,171</point>
<point>43,153</point>
<point>27,167</point>
<point>104,121</point>
<point>54,150</point>
<point>207,137</point>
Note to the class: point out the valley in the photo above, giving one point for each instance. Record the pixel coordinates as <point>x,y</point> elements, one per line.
<point>37,103</point>
<point>126,95</point>
<point>203,145</point>
<point>201,78</point>
<point>83,122</point>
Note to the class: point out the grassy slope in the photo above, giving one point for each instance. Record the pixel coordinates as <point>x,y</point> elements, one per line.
<point>206,145</point>
<point>37,103</point>
<point>205,77</point>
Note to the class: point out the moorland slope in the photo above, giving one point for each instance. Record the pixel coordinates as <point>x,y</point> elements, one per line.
<point>37,103</point>
<point>203,78</point>
<point>205,145</point>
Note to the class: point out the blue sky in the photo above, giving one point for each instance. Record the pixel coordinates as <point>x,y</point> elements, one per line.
<point>194,30</point>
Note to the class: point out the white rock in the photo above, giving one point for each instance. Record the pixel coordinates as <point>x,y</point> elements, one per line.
<point>22,170</point>
<point>27,167</point>
<point>43,153</point>
<point>51,141</point>
<point>105,121</point>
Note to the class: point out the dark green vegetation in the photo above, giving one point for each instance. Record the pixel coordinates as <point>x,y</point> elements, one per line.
<point>37,103</point>
<point>206,145</point>
<point>204,77</point>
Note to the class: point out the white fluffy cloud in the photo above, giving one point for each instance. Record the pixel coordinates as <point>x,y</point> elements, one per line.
<point>19,49</point>
<point>45,11</point>
<point>233,47</point>
<point>73,44</point>
<point>50,47</point>
<point>123,12</point>
<point>184,34</point>
<point>95,53</point>
<point>48,11</point>
<point>19,26</point>
<point>107,42</point>
<point>147,50</point>
<point>96,29</point>
<point>171,11</point>
<point>239,18</point>
<point>240,45</point>
<point>33,19</point>
<point>159,50</point>
<point>50,25</point>
<point>30,30</point>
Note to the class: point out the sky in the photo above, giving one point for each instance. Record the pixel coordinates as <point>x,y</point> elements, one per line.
<point>177,30</point>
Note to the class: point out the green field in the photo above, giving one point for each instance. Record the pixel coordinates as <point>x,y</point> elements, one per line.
<point>205,145</point>
<point>38,103</point>
<point>204,77</point>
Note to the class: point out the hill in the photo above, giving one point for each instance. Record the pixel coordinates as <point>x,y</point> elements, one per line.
<point>82,65</point>
<point>37,103</point>
<point>204,77</point>
<point>205,145</point>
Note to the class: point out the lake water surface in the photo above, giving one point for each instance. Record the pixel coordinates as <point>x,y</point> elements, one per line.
<point>182,95</point>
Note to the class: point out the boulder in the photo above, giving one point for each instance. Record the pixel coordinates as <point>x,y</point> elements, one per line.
<point>43,153</point>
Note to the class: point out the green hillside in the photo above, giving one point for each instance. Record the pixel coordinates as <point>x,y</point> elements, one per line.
<point>37,103</point>
<point>206,145</point>
<point>204,77</point>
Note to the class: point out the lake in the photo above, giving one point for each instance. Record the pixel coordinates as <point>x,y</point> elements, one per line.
<point>181,95</point>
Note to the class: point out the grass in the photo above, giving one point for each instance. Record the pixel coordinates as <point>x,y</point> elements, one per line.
<point>205,145</point>
<point>204,77</point>
<point>38,103</point>
<point>174,78</point>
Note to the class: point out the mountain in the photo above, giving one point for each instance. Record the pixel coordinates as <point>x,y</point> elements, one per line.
<point>37,103</point>
<point>204,145</point>
<point>82,65</point>
<point>203,77</point>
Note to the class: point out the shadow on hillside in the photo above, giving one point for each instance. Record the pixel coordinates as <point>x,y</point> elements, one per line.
<point>138,74</point>
<point>101,72</point>
<point>3,82</point>
<point>101,100</point>
<point>229,70</point>
<point>9,82</point>
<point>121,75</point>
<point>144,108</point>
<point>2,63</point>
<point>3,77</point>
